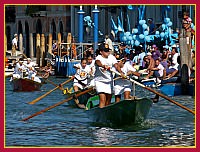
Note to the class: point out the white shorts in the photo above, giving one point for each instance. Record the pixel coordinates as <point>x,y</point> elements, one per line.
<point>104,87</point>
<point>16,76</point>
<point>118,90</point>
<point>78,85</point>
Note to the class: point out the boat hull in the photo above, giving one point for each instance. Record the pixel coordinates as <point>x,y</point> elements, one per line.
<point>171,87</point>
<point>26,85</point>
<point>82,99</point>
<point>123,113</point>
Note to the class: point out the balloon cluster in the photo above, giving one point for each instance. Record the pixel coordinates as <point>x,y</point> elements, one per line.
<point>141,34</point>
<point>136,38</point>
<point>89,22</point>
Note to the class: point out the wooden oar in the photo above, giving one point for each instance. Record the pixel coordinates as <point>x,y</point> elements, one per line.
<point>157,93</point>
<point>44,95</point>
<point>59,103</point>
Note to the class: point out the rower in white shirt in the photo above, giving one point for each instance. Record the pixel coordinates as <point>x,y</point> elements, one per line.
<point>103,75</point>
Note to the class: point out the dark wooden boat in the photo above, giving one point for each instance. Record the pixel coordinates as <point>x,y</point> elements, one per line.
<point>82,99</point>
<point>24,84</point>
<point>123,113</point>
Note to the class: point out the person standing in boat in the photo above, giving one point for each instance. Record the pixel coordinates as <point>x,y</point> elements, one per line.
<point>83,72</point>
<point>103,77</point>
<point>123,85</point>
<point>19,69</point>
<point>14,44</point>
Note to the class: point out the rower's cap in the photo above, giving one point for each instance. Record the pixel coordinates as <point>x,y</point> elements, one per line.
<point>21,60</point>
<point>104,47</point>
<point>15,35</point>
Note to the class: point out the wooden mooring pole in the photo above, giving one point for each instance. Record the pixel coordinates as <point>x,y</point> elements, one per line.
<point>185,56</point>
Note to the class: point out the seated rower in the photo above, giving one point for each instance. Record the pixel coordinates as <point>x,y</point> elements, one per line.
<point>32,74</point>
<point>91,65</point>
<point>81,77</point>
<point>124,85</point>
<point>19,69</point>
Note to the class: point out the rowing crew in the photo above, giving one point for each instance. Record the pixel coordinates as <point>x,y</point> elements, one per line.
<point>98,74</point>
<point>25,70</point>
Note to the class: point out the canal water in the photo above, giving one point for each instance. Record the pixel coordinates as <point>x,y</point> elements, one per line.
<point>64,126</point>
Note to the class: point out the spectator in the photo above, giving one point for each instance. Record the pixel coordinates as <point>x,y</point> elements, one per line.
<point>151,26</point>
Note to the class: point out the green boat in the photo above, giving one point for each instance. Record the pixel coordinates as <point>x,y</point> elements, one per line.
<point>123,113</point>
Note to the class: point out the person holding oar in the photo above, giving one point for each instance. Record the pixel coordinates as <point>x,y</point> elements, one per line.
<point>91,65</point>
<point>103,76</point>
<point>83,72</point>
<point>19,69</point>
<point>124,85</point>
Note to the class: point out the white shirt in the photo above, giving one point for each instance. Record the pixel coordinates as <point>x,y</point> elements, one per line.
<point>127,67</point>
<point>92,67</point>
<point>101,74</point>
<point>174,61</point>
<point>81,73</point>
<point>140,57</point>
<point>31,64</point>
<point>161,68</point>
<point>17,67</point>
<point>14,41</point>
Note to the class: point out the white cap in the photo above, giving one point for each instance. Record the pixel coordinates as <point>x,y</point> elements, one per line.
<point>15,35</point>
<point>29,59</point>
<point>149,53</point>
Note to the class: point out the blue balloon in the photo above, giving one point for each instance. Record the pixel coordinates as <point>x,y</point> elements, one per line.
<point>168,8</point>
<point>127,34</point>
<point>144,26</point>
<point>162,34</point>
<point>129,38</point>
<point>141,36</point>
<point>137,43</point>
<point>147,38</point>
<point>157,32</point>
<point>146,33</point>
<point>135,30</point>
<point>163,26</point>
<point>132,42</point>
<point>124,38</point>
<point>167,20</point>
<point>130,7</point>
<point>169,24</point>
<point>87,18</point>
<point>141,22</point>
<point>134,37</point>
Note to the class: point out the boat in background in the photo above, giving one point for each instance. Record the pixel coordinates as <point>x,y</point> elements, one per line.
<point>25,84</point>
<point>170,87</point>
<point>123,113</point>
